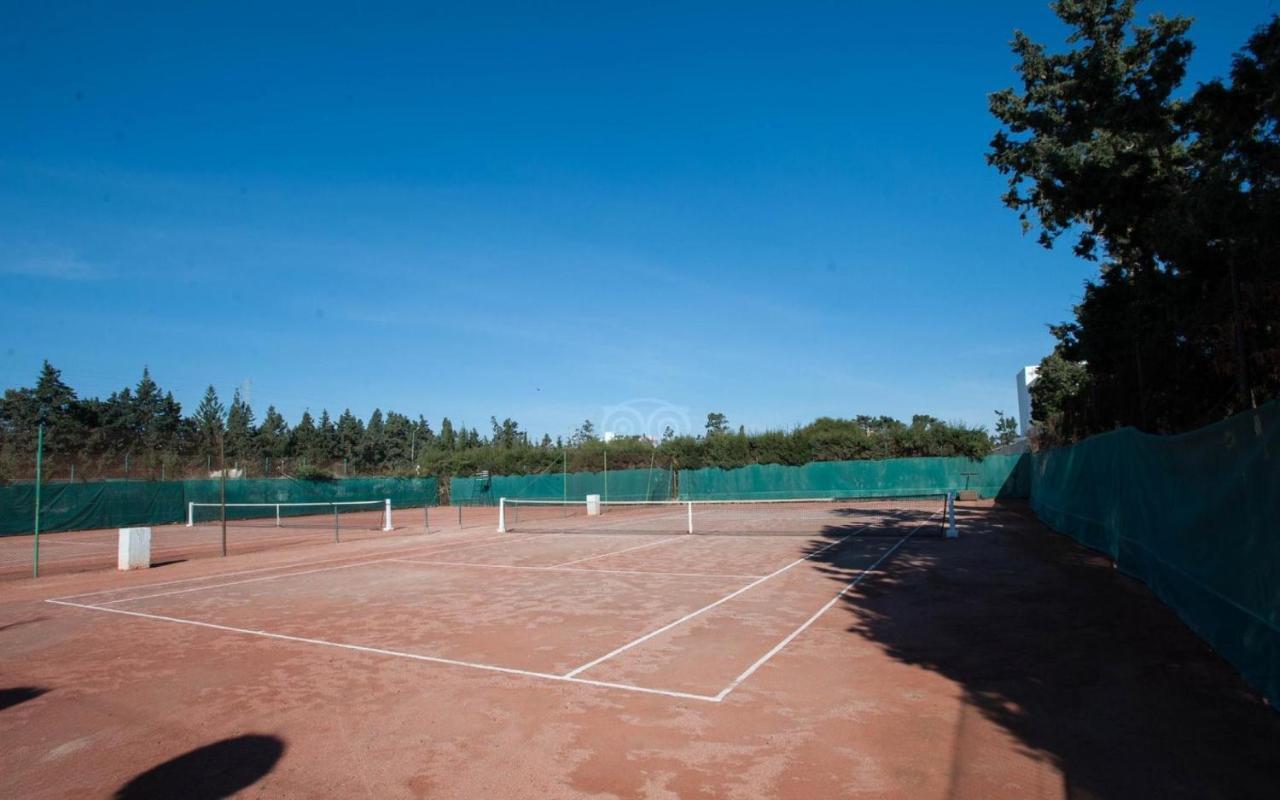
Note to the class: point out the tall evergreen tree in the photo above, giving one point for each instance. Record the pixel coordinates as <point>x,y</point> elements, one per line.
<point>210,421</point>
<point>326,449</point>
<point>448,439</point>
<point>272,437</point>
<point>240,430</point>
<point>1175,197</point>
<point>399,436</point>
<point>303,440</point>
<point>373,445</point>
<point>349,433</point>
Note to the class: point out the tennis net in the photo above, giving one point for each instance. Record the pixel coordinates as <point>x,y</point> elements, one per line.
<point>345,514</point>
<point>746,517</point>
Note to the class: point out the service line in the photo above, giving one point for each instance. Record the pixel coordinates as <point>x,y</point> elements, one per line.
<point>395,653</point>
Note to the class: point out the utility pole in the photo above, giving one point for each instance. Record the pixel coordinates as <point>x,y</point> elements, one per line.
<point>35,559</point>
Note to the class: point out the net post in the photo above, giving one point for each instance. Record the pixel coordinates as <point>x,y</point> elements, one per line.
<point>277,515</point>
<point>386,524</point>
<point>191,513</point>
<point>502,515</point>
<point>952,532</point>
<point>689,527</point>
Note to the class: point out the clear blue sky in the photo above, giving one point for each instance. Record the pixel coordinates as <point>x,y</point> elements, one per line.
<point>775,211</point>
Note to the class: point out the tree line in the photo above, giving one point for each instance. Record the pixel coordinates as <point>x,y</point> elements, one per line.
<point>1176,195</point>
<point>141,432</point>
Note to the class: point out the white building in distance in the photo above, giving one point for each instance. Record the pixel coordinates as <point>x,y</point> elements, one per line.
<point>1026,377</point>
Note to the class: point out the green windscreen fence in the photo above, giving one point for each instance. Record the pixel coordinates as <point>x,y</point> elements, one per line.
<point>626,484</point>
<point>1196,517</point>
<point>80,506</point>
<point>402,492</point>
<point>993,476</point>
<point>87,506</point>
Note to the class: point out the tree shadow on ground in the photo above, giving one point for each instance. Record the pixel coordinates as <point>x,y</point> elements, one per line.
<point>214,771</point>
<point>19,694</point>
<point>1083,666</point>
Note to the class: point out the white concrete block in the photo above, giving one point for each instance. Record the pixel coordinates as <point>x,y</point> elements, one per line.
<point>135,548</point>
<point>593,505</point>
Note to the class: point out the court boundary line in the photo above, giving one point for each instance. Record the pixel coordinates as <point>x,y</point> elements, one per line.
<point>620,552</point>
<point>535,568</point>
<point>659,631</point>
<point>394,653</point>
<point>789,638</point>
<point>367,561</point>
<point>435,547</point>
<point>258,579</point>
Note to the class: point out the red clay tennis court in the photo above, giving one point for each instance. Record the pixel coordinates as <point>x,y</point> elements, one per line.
<point>867,656</point>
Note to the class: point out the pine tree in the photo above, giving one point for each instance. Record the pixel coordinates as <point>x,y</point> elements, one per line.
<point>302,440</point>
<point>350,432</point>
<point>210,421</point>
<point>373,443</point>
<point>399,439</point>
<point>326,449</point>
<point>272,437</point>
<point>239,430</point>
<point>448,439</point>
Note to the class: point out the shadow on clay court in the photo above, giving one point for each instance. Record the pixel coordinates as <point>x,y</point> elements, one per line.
<point>213,771</point>
<point>1085,667</point>
<point>19,694</point>
<point>31,621</point>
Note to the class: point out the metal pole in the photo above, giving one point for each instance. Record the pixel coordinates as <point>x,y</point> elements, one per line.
<point>35,558</point>
<point>606,473</point>
<point>565,475</point>
<point>222,490</point>
<point>459,516</point>
<point>335,523</point>
<point>426,517</point>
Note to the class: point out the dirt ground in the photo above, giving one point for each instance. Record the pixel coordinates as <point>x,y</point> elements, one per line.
<point>873,659</point>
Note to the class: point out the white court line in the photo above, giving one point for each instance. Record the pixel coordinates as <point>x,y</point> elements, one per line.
<point>268,577</point>
<point>571,569</point>
<point>396,653</point>
<point>706,608</point>
<point>626,550</point>
<point>433,547</point>
<point>777,648</point>
<point>258,579</point>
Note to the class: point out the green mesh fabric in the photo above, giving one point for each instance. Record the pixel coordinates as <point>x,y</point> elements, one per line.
<point>403,492</point>
<point>627,484</point>
<point>78,506</point>
<point>993,476</point>
<point>86,506</point>
<point>1193,516</point>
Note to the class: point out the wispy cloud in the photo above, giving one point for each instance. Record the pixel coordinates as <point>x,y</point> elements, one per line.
<point>62,267</point>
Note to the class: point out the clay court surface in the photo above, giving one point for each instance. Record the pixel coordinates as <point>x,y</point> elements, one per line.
<point>874,658</point>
